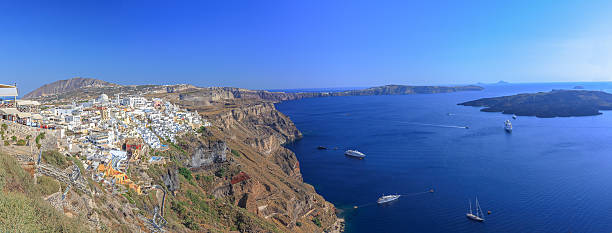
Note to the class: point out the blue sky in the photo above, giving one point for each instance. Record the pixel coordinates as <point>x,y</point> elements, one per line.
<point>305,44</point>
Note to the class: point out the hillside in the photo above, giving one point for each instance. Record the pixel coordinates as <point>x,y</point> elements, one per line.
<point>22,207</point>
<point>232,176</point>
<point>556,103</point>
<point>63,86</point>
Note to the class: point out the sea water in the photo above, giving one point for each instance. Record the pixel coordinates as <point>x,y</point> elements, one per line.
<point>548,175</point>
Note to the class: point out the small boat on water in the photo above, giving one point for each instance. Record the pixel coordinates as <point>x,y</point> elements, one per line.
<point>508,126</point>
<point>387,198</point>
<point>322,148</point>
<point>478,215</point>
<point>354,153</point>
<point>513,116</point>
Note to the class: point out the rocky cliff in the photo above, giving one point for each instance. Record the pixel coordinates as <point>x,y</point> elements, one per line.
<point>274,189</point>
<point>208,95</point>
<point>237,174</point>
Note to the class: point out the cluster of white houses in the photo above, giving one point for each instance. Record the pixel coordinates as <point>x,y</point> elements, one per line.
<point>107,132</point>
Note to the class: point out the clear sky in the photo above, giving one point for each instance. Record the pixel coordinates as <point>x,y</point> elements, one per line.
<point>305,44</point>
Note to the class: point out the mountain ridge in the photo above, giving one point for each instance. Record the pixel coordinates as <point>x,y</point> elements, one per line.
<point>67,85</point>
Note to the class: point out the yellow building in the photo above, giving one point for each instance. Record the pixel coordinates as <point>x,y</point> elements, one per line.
<point>120,177</point>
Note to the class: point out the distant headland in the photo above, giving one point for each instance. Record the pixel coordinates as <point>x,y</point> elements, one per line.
<point>407,90</point>
<point>556,103</point>
<point>79,86</point>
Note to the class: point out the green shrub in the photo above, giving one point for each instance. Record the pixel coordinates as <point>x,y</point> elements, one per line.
<point>7,143</point>
<point>4,127</point>
<point>21,142</point>
<point>178,207</point>
<point>79,164</point>
<point>40,136</point>
<point>188,222</point>
<point>317,221</point>
<point>197,201</point>
<point>221,172</point>
<point>299,224</point>
<point>55,158</point>
<point>14,138</point>
<point>202,129</point>
<point>129,198</point>
<point>235,152</point>
<point>48,185</point>
<point>208,179</point>
<point>186,173</point>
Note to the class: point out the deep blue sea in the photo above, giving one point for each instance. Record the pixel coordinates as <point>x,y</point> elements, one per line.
<point>548,175</point>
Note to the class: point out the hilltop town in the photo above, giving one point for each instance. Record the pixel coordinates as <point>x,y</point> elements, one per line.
<point>156,158</point>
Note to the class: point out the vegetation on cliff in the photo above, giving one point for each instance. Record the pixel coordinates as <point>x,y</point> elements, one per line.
<point>556,103</point>
<point>22,208</point>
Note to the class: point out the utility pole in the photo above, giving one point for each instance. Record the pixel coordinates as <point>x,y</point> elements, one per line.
<point>16,94</point>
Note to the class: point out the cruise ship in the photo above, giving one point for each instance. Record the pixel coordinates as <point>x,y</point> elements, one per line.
<point>508,126</point>
<point>387,198</point>
<point>354,153</point>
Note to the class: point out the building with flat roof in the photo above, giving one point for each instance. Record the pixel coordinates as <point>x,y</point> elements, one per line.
<point>8,91</point>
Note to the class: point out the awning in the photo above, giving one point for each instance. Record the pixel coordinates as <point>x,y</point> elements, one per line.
<point>9,111</point>
<point>7,90</point>
<point>28,102</point>
<point>24,115</point>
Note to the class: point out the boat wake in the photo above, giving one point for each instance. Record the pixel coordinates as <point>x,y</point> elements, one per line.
<point>436,125</point>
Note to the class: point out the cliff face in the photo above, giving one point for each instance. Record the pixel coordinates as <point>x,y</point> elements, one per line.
<point>228,93</point>
<point>274,189</point>
<point>63,86</point>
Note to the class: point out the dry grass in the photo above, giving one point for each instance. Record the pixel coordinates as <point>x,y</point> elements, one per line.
<point>21,207</point>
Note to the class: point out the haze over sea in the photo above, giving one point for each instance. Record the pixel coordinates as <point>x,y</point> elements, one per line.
<point>548,175</point>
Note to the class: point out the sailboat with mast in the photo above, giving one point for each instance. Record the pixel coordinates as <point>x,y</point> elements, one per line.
<point>478,215</point>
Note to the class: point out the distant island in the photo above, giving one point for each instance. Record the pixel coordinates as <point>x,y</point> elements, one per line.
<point>501,82</point>
<point>406,90</point>
<point>556,103</point>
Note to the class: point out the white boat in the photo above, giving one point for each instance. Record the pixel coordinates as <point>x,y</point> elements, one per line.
<point>514,116</point>
<point>478,215</point>
<point>387,198</point>
<point>354,153</point>
<point>508,126</point>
